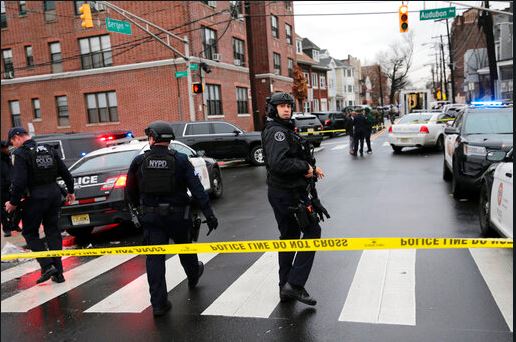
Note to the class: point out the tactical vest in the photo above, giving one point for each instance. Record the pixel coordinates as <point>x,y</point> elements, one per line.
<point>44,165</point>
<point>158,173</point>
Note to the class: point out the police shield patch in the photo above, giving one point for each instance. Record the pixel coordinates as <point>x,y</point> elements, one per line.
<point>279,136</point>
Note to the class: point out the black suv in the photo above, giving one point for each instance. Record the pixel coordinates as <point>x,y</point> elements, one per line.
<point>309,127</point>
<point>476,131</point>
<point>331,121</point>
<point>221,140</point>
<point>73,146</point>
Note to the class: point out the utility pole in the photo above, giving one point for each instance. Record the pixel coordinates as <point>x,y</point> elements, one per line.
<point>433,80</point>
<point>452,67</point>
<point>486,21</point>
<point>381,89</point>
<point>439,76</point>
<point>443,60</point>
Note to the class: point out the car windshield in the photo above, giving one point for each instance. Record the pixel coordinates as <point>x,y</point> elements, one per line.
<point>415,119</point>
<point>322,116</point>
<point>109,161</point>
<point>489,122</point>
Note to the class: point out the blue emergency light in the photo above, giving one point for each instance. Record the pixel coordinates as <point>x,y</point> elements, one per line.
<point>487,103</point>
<point>129,135</point>
<point>83,154</point>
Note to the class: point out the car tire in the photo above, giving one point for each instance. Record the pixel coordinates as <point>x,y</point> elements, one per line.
<point>447,175</point>
<point>256,156</point>
<point>439,145</point>
<point>216,184</point>
<point>317,144</point>
<point>80,233</point>
<point>457,187</point>
<point>396,149</point>
<point>484,208</point>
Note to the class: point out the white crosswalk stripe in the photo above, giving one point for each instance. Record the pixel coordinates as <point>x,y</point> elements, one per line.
<point>138,289</point>
<point>339,147</point>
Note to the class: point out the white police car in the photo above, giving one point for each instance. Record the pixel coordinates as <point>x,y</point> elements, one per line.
<point>100,179</point>
<point>496,195</point>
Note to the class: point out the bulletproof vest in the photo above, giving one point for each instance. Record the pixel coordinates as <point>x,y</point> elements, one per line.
<point>44,165</point>
<point>158,173</point>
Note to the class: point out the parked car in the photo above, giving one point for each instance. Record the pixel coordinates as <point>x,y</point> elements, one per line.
<point>454,109</point>
<point>309,127</point>
<point>418,130</point>
<point>496,195</point>
<point>73,146</point>
<point>100,179</point>
<point>474,133</point>
<point>331,121</point>
<point>221,140</point>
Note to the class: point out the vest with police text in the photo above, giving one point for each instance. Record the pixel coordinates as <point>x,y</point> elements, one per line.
<point>158,173</point>
<point>44,165</point>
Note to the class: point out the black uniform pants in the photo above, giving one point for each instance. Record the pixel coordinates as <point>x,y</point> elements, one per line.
<point>158,230</point>
<point>368,139</point>
<point>36,211</point>
<point>294,267</point>
<point>359,138</point>
<point>4,216</point>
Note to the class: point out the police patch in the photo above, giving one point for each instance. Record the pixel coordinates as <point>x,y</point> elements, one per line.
<point>279,136</point>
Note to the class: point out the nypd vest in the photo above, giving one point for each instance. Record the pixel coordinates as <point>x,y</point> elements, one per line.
<point>43,164</point>
<point>158,173</point>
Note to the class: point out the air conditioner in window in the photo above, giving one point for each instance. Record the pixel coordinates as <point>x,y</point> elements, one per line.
<point>216,57</point>
<point>237,62</point>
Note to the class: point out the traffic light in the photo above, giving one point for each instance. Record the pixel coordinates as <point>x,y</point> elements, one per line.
<point>87,20</point>
<point>403,18</point>
<point>197,88</point>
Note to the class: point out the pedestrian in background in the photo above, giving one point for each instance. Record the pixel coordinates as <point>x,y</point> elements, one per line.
<point>360,131</point>
<point>157,184</point>
<point>370,122</point>
<point>34,174</point>
<point>350,130</point>
<point>8,225</point>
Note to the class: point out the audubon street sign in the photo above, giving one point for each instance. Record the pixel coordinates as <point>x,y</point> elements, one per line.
<point>180,74</point>
<point>437,13</point>
<point>119,26</point>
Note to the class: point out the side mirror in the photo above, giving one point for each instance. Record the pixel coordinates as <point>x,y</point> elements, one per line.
<point>496,156</point>
<point>200,153</point>
<point>237,133</point>
<point>451,130</point>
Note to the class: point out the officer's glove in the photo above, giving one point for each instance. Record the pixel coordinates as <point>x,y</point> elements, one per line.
<point>319,209</point>
<point>212,223</point>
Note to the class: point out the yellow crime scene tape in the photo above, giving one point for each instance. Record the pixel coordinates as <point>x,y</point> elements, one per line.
<point>262,246</point>
<point>330,131</point>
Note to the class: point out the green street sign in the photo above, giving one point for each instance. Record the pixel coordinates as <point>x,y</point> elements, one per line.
<point>118,26</point>
<point>194,67</point>
<point>180,74</point>
<point>437,13</point>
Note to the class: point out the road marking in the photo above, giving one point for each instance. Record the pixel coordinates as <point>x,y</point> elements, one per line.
<point>386,143</point>
<point>138,289</point>
<point>383,290</point>
<point>496,266</point>
<point>254,294</point>
<point>42,293</point>
<point>339,147</point>
<point>318,149</point>
<point>22,269</point>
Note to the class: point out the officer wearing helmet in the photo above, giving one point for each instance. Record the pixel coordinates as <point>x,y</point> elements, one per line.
<point>288,174</point>
<point>157,183</point>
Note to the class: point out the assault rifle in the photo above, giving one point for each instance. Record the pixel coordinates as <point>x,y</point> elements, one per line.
<point>318,208</point>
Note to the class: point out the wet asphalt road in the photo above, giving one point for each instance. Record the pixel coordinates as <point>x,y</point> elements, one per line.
<point>378,195</point>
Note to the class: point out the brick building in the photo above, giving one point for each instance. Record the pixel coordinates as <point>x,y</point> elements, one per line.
<point>374,74</point>
<point>61,78</point>
<point>272,53</point>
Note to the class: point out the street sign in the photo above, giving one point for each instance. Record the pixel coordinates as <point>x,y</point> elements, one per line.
<point>194,67</point>
<point>119,26</point>
<point>437,13</point>
<point>180,74</point>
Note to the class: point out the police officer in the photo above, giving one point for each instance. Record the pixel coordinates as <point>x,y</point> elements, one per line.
<point>360,128</point>
<point>157,184</point>
<point>7,166</point>
<point>35,170</point>
<point>288,174</point>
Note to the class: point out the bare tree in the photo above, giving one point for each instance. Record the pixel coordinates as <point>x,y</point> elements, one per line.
<point>396,63</point>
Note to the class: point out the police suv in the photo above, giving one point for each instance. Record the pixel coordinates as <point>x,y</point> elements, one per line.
<point>496,195</point>
<point>483,127</point>
<point>100,179</point>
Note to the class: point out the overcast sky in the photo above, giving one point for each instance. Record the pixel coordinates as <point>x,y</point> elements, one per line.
<point>363,36</point>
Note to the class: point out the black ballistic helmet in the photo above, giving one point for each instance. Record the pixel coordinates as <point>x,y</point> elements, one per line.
<point>161,131</point>
<point>276,99</point>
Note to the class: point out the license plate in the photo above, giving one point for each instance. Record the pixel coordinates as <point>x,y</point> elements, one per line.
<point>310,130</point>
<point>80,219</point>
<point>404,140</point>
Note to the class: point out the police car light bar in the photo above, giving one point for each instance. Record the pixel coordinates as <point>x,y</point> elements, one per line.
<point>487,103</point>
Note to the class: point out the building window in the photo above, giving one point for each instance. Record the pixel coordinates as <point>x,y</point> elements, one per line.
<point>95,7</point>
<point>288,5</point>
<point>290,67</point>
<point>209,43</point>
<point>63,118</point>
<point>210,3</point>
<point>55,57</point>
<point>213,101</point>
<point>50,10</point>
<point>96,52</point>
<point>28,56</point>
<point>274,26</point>
<point>315,83</point>
<point>276,58</point>
<point>15,113</point>
<point>22,7</point>
<point>236,9</point>
<point>36,107</point>
<point>350,103</point>
<point>307,78</point>
<point>322,81</point>
<point>242,100</point>
<point>348,72</point>
<point>288,33</point>
<point>7,56</point>
<point>238,51</point>
<point>316,105</point>
<point>350,88</point>
<point>299,47</point>
<point>102,107</point>
<point>315,54</point>
<point>3,21</point>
